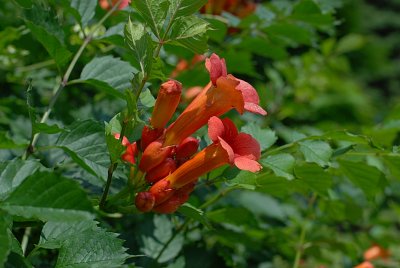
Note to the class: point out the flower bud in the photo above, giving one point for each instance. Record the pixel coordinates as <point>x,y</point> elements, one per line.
<point>149,135</point>
<point>154,155</point>
<point>167,100</point>
<point>144,201</point>
<point>161,171</point>
<point>125,141</point>
<point>130,153</point>
<point>187,148</point>
<point>162,191</point>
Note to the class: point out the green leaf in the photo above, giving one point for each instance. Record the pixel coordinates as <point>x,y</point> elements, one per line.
<point>244,179</point>
<point>24,3</point>
<point>180,8</point>
<point>261,204</point>
<point>115,148</point>
<point>366,177</point>
<point>154,243</point>
<point>13,173</point>
<point>7,143</point>
<point>5,245</point>
<point>350,43</point>
<point>54,47</point>
<point>314,176</point>
<point>109,74</point>
<point>237,216</point>
<point>307,11</point>
<point>45,128</point>
<point>83,244</point>
<point>189,32</point>
<point>85,8</point>
<point>140,43</point>
<point>49,197</point>
<point>393,163</point>
<point>316,151</point>
<point>154,13</point>
<point>289,33</point>
<point>281,164</point>
<point>266,137</point>
<point>86,144</point>
<point>194,213</point>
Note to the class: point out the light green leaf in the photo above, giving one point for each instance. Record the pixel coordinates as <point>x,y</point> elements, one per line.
<point>140,43</point>
<point>109,74</point>
<point>314,176</point>
<point>281,164</point>
<point>179,8</point>
<point>53,46</point>
<point>115,148</point>
<point>366,177</point>
<point>261,204</point>
<point>13,173</point>
<point>49,197</point>
<point>154,243</point>
<point>266,137</point>
<point>316,151</point>
<point>189,32</point>
<point>393,164</point>
<point>85,8</point>
<point>86,144</point>
<point>244,179</point>
<point>154,13</point>
<point>350,43</point>
<point>5,245</point>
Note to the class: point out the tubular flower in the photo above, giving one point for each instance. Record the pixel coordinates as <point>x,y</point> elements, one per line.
<point>107,4</point>
<point>376,252</point>
<point>221,95</point>
<point>149,135</point>
<point>228,147</point>
<point>168,99</point>
<point>176,200</point>
<point>161,171</point>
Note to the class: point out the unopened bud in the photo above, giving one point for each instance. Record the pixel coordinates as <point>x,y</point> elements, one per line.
<point>161,171</point>
<point>187,148</point>
<point>154,155</point>
<point>130,153</point>
<point>167,100</point>
<point>149,135</point>
<point>144,201</point>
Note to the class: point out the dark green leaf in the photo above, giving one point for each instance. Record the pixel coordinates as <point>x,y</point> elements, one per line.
<point>314,176</point>
<point>24,3</point>
<point>316,151</point>
<point>13,173</point>
<point>307,11</point>
<point>289,33</point>
<point>7,143</point>
<point>85,8</point>
<point>281,164</point>
<point>53,46</point>
<point>86,144</point>
<point>154,13</point>
<point>109,74</point>
<point>140,43</point>
<point>237,216</point>
<point>366,177</point>
<point>49,197</point>
<point>45,128</point>
<point>194,213</point>
<point>5,238</point>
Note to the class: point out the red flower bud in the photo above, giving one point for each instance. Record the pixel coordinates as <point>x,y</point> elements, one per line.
<point>144,201</point>
<point>149,135</point>
<point>154,155</point>
<point>187,148</point>
<point>161,191</point>
<point>167,100</point>
<point>161,171</point>
<point>125,141</point>
<point>130,153</point>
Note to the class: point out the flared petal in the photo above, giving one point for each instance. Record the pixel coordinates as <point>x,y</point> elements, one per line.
<point>216,67</point>
<point>245,145</point>
<point>250,97</point>
<point>228,149</point>
<point>216,128</point>
<point>245,163</point>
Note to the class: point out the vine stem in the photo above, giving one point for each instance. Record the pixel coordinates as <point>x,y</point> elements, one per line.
<point>25,239</point>
<point>66,76</point>
<point>300,249</point>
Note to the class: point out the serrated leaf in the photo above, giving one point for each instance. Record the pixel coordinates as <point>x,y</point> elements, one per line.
<point>316,151</point>
<point>5,245</point>
<point>281,164</point>
<point>140,43</point>
<point>109,74</point>
<point>179,8</point>
<point>85,8</point>
<point>154,13</point>
<point>366,177</point>
<point>266,137</point>
<point>189,32</point>
<point>153,244</point>
<point>86,144</point>
<point>314,176</point>
<point>54,47</point>
<point>13,173</point>
<point>194,213</point>
<point>49,197</point>
<point>87,246</point>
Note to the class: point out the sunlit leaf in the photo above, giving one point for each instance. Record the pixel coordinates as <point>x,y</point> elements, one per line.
<point>281,164</point>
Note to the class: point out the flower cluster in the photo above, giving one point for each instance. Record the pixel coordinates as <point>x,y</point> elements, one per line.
<point>169,155</point>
